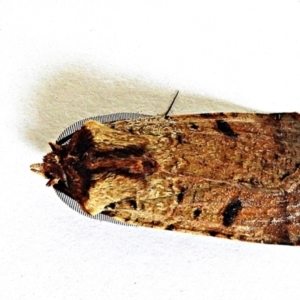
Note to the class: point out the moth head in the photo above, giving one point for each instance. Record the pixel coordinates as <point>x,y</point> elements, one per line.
<point>51,167</point>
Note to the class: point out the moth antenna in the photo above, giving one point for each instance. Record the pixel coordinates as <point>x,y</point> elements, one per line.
<point>171,105</point>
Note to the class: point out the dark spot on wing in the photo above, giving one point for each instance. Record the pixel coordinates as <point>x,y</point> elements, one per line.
<point>132,204</point>
<point>205,115</point>
<point>149,166</point>
<point>193,126</point>
<point>156,223</point>
<point>254,181</point>
<point>181,195</point>
<point>277,116</point>
<point>170,227</point>
<point>213,233</point>
<point>231,211</point>
<point>109,213</point>
<point>110,206</point>
<point>282,176</point>
<point>225,128</point>
<point>197,213</point>
<point>179,138</point>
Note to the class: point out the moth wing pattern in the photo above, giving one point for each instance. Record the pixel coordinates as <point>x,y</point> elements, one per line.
<point>231,175</point>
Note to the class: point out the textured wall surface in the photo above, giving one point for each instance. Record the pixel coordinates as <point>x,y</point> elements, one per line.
<point>62,61</point>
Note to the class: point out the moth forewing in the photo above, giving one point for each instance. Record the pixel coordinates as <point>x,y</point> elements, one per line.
<point>233,175</point>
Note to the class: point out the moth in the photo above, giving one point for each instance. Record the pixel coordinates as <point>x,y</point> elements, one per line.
<point>231,175</point>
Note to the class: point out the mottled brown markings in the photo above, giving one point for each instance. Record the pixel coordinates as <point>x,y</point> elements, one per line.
<point>260,167</point>
<point>231,211</point>
<point>225,128</point>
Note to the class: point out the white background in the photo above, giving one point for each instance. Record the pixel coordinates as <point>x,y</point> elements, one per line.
<point>61,61</point>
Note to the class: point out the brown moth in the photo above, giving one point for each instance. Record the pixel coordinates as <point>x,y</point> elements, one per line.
<point>232,175</point>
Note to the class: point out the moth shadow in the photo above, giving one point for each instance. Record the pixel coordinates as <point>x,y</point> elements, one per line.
<point>66,96</point>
